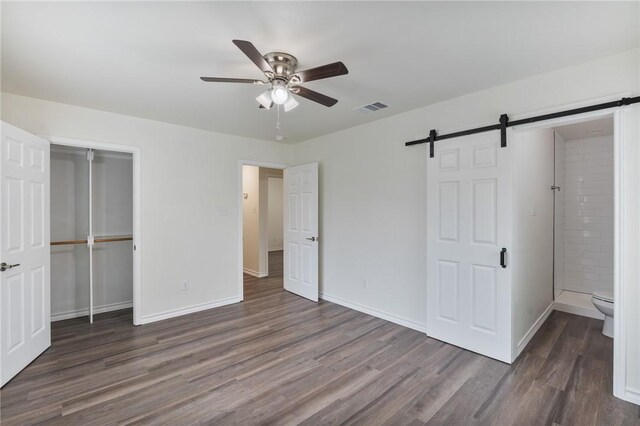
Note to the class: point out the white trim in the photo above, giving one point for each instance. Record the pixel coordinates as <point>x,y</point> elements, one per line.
<point>101,154</point>
<point>533,330</point>
<point>619,265</point>
<point>632,395</point>
<point>576,303</point>
<point>276,249</point>
<point>240,216</point>
<point>96,310</point>
<point>254,273</point>
<point>189,309</point>
<point>405,322</point>
<point>137,222</point>
<point>577,310</point>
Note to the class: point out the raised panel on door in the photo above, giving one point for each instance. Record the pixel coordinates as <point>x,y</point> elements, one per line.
<point>484,208</point>
<point>14,215</point>
<point>15,327</point>
<point>36,214</point>
<point>38,289</point>
<point>484,298</point>
<point>448,276</point>
<point>449,211</point>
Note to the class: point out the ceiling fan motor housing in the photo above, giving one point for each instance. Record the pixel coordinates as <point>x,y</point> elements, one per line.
<point>283,64</point>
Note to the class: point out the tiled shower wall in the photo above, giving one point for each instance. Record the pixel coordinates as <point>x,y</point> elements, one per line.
<point>587,194</point>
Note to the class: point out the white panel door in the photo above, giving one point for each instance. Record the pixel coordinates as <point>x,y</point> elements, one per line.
<point>468,214</point>
<point>301,230</point>
<point>25,320</point>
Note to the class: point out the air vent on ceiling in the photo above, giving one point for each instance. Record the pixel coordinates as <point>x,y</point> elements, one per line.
<point>376,106</point>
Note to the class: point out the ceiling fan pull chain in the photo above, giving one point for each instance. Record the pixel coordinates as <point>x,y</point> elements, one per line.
<point>278,122</point>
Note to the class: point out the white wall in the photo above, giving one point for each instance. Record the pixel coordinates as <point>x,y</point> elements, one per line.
<point>274,214</point>
<point>113,215</point>
<point>588,214</point>
<point>558,267</point>
<point>251,220</point>
<point>189,195</point>
<point>373,196</point>
<point>532,285</point>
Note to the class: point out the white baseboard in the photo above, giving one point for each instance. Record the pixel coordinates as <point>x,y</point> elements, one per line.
<point>254,273</point>
<point>533,330</point>
<point>576,303</point>
<point>632,395</point>
<point>405,322</point>
<point>96,310</point>
<point>189,310</point>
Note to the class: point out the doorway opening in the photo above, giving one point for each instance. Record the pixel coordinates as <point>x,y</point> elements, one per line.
<point>95,223</point>
<point>91,232</point>
<point>262,228</point>
<point>584,215</point>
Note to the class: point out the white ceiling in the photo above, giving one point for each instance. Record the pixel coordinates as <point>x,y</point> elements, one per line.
<point>587,129</point>
<point>145,59</point>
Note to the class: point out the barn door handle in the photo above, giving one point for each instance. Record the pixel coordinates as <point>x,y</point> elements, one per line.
<point>503,255</point>
<point>4,266</point>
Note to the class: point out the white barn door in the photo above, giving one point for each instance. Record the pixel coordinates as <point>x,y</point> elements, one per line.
<point>469,225</point>
<point>301,230</point>
<point>24,250</point>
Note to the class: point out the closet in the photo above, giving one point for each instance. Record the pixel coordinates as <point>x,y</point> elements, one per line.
<point>91,232</point>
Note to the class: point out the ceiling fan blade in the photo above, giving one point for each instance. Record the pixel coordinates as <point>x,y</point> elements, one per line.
<point>330,70</point>
<point>230,80</point>
<point>314,96</point>
<point>252,53</point>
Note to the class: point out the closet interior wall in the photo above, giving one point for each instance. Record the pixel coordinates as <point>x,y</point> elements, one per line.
<point>112,215</point>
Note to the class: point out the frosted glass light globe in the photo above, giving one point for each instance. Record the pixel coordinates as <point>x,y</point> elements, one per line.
<point>279,94</point>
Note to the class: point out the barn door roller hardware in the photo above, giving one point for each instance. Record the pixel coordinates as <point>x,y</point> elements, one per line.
<point>504,123</point>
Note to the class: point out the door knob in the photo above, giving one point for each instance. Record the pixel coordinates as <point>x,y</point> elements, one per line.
<point>4,266</point>
<point>312,238</point>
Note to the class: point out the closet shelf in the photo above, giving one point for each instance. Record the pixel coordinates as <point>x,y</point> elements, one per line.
<point>96,239</point>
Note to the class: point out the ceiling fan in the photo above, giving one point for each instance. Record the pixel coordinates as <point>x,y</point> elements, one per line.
<point>280,70</point>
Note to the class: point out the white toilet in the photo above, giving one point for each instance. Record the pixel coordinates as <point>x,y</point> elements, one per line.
<point>603,301</point>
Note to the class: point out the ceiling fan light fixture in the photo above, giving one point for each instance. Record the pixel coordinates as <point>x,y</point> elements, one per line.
<point>265,99</point>
<point>279,93</point>
<point>290,104</point>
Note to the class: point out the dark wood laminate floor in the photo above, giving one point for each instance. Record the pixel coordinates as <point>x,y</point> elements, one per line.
<point>278,358</point>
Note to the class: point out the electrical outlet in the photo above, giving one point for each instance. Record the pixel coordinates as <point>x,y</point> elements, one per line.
<point>185,285</point>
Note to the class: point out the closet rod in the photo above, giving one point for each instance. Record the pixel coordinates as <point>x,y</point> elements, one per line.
<point>104,239</point>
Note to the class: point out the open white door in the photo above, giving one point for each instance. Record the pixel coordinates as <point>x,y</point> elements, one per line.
<point>24,250</point>
<point>468,214</point>
<point>301,230</point>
